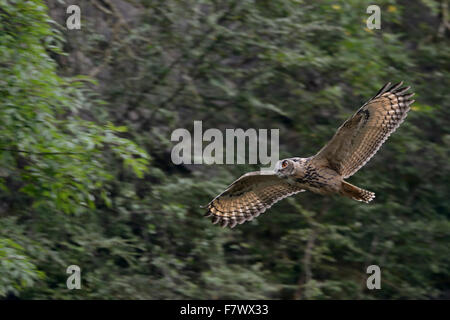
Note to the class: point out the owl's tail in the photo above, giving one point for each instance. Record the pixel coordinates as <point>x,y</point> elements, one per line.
<point>356,193</point>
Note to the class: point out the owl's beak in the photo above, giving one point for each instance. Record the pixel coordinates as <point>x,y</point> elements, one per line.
<point>277,167</point>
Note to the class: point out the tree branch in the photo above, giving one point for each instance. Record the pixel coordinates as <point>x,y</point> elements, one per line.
<point>39,153</point>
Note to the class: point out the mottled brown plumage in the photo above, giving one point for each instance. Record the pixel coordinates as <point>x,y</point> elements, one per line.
<point>354,143</point>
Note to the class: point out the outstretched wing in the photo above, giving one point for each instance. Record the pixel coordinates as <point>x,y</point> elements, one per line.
<point>248,197</point>
<point>360,137</point>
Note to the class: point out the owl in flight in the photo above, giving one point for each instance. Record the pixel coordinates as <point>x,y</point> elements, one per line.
<point>354,143</point>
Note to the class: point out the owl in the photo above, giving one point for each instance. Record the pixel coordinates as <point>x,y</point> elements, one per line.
<point>354,143</point>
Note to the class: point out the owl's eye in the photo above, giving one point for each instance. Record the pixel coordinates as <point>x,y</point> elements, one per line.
<point>284,164</point>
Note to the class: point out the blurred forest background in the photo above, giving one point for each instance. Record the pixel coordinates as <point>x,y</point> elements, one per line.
<point>85,171</point>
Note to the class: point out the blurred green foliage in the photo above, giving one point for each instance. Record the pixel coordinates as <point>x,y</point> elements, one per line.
<point>85,170</point>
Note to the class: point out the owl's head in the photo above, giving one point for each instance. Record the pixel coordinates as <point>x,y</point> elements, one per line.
<point>292,166</point>
<point>285,167</point>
